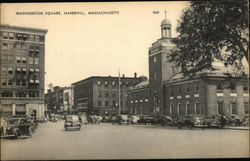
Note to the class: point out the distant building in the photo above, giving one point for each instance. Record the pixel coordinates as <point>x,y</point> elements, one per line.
<point>99,95</point>
<point>22,71</point>
<point>59,100</point>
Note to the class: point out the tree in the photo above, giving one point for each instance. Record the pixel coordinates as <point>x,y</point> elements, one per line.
<point>209,31</point>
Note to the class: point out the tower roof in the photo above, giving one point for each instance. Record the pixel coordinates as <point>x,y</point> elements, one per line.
<point>165,22</point>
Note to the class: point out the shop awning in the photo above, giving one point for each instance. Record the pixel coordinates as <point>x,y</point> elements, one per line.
<point>31,70</point>
<point>24,69</point>
<point>37,70</point>
<point>37,81</point>
<point>31,81</point>
<point>18,69</point>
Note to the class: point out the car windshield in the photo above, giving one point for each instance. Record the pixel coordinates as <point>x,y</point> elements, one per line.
<point>12,122</point>
<point>72,118</point>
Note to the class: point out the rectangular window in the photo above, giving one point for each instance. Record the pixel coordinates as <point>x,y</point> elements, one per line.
<point>171,91</point>
<point>5,46</point>
<point>31,37</point>
<point>10,70</point>
<point>106,103</point>
<point>30,60</point>
<point>4,82</point>
<point>179,89</point>
<point>36,38</point>
<point>106,83</point>
<point>99,103</point>
<point>179,109</point>
<point>23,59</point>
<point>36,61</point>
<point>197,108</point>
<point>220,108</point>
<point>188,109</point>
<point>234,108</point>
<point>246,108</point>
<point>155,76</point>
<point>219,86</point>
<point>187,88</point>
<point>10,82</point>
<point>5,35</point>
<point>18,82</point>
<point>113,84</point>
<point>245,88</point>
<point>233,87</point>
<point>4,70</point>
<point>196,86</point>
<point>23,83</point>
<point>113,94</point>
<point>106,93</point>
<point>99,94</point>
<point>114,103</point>
<point>11,35</point>
<point>18,59</point>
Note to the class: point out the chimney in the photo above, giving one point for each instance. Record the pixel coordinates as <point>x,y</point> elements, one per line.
<point>123,75</point>
<point>135,75</point>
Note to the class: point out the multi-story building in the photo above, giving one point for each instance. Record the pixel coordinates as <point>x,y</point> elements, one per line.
<point>168,92</point>
<point>22,71</point>
<point>99,95</point>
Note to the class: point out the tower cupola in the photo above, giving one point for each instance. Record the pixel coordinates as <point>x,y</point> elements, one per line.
<point>166,27</point>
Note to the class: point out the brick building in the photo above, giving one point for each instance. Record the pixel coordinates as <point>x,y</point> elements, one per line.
<point>22,71</point>
<point>168,92</point>
<point>209,93</point>
<point>99,95</point>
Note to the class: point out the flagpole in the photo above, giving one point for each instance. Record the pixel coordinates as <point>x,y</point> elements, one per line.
<point>119,94</point>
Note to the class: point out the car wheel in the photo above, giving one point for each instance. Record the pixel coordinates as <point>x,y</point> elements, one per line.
<point>17,134</point>
<point>179,125</point>
<point>191,126</point>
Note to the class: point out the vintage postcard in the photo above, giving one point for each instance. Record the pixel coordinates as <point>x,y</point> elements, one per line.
<point>124,80</point>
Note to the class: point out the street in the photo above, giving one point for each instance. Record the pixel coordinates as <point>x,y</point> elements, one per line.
<point>107,141</point>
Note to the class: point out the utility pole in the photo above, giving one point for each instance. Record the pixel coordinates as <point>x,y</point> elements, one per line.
<point>119,94</point>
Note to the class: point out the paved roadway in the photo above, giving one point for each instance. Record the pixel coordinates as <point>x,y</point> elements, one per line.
<point>107,141</point>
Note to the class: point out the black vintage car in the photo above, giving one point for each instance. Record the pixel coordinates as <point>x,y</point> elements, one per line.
<point>190,121</point>
<point>163,120</point>
<point>121,119</point>
<point>213,121</point>
<point>17,127</point>
<point>145,119</point>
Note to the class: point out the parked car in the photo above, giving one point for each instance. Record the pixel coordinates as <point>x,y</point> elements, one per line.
<point>190,121</point>
<point>212,121</point>
<point>245,121</point>
<point>17,127</point>
<point>163,120</point>
<point>146,119</point>
<point>72,122</point>
<point>53,118</point>
<point>133,119</point>
<point>121,119</point>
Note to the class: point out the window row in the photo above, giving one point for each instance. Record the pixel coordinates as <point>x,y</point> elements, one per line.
<point>19,82</point>
<point>22,36</point>
<point>24,94</point>
<point>109,103</point>
<point>139,94</point>
<point>112,93</point>
<point>20,46</point>
<point>113,83</point>
<point>232,86</point>
<point>178,89</point>
<point>9,70</point>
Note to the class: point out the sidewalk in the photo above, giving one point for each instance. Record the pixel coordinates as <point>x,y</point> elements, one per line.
<point>237,127</point>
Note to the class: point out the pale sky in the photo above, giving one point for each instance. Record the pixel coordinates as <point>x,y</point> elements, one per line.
<point>79,46</point>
